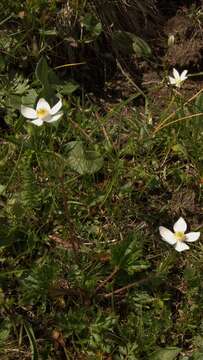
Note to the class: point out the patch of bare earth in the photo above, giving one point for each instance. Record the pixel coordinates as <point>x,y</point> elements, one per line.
<point>186,27</point>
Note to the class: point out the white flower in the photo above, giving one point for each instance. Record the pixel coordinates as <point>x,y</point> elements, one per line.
<point>178,237</point>
<point>177,78</point>
<point>43,112</point>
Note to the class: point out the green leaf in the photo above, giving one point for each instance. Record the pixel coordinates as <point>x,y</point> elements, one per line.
<point>197,356</point>
<point>97,29</point>
<point>128,255</point>
<point>20,85</point>
<point>48,79</point>
<point>83,161</point>
<point>91,25</point>
<point>5,328</point>
<point>199,102</point>
<point>140,47</point>
<point>32,341</point>
<point>67,89</point>
<point>198,108</point>
<point>2,188</point>
<point>128,43</point>
<point>52,32</point>
<point>169,353</point>
<point>42,71</point>
<point>2,63</point>
<point>120,252</point>
<point>14,101</point>
<point>122,42</point>
<point>30,98</point>
<point>179,149</point>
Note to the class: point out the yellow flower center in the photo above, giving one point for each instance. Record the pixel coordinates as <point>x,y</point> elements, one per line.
<point>179,235</point>
<point>42,113</point>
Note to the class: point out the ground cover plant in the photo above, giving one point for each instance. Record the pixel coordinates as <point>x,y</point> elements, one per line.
<point>101,180</point>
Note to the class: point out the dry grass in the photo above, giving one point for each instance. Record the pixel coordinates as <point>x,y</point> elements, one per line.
<point>126,15</point>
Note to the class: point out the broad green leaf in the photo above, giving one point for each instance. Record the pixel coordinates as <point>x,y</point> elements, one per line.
<point>48,78</point>
<point>42,71</point>
<point>83,161</point>
<point>169,353</point>
<point>53,79</point>
<point>68,89</point>
<point>92,26</point>
<point>140,47</point>
<point>128,43</point>
<point>122,42</point>
<point>97,29</point>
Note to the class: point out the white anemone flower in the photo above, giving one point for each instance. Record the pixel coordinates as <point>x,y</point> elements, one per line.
<point>178,238</point>
<point>177,78</point>
<point>43,112</point>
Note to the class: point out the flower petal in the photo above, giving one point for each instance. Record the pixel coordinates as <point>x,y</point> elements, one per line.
<point>37,122</point>
<point>192,236</point>
<point>181,246</point>
<point>183,75</point>
<point>56,107</point>
<point>47,118</point>
<point>167,235</point>
<point>28,112</point>
<point>176,74</point>
<point>172,81</point>
<point>180,225</point>
<point>54,118</point>
<point>43,104</point>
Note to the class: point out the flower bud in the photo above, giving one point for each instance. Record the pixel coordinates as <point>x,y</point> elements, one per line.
<point>171,40</point>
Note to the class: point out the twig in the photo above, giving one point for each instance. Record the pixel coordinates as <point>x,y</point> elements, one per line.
<point>76,126</point>
<point>160,125</point>
<point>69,65</point>
<point>105,281</point>
<point>128,77</point>
<point>104,132</point>
<point>129,286</point>
<point>183,118</point>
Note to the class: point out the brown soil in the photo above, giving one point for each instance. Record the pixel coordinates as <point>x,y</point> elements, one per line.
<point>186,25</point>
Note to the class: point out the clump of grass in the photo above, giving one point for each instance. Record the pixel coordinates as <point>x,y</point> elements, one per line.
<point>84,272</point>
<point>126,15</point>
<point>77,32</point>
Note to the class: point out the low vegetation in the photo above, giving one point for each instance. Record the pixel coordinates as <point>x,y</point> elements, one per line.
<point>101,145</point>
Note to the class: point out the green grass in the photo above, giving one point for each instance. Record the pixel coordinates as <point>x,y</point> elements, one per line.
<point>84,272</point>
